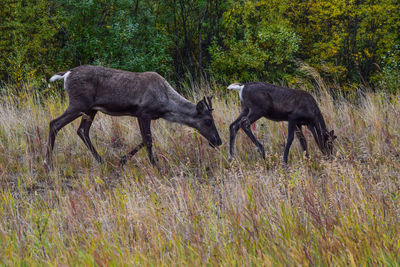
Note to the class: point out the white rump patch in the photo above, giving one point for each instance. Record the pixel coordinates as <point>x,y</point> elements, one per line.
<point>65,79</point>
<point>238,87</point>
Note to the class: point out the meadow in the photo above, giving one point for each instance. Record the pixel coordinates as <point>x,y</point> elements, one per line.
<point>200,209</point>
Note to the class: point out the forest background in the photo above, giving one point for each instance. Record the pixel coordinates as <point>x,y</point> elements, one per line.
<point>353,44</point>
<point>200,208</point>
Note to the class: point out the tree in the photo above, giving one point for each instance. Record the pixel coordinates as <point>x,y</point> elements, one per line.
<point>27,38</point>
<point>117,33</point>
<point>347,40</point>
<point>192,25</point>
<point>258,43</point>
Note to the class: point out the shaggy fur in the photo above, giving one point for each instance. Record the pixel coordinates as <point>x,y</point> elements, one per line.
<point>147,96</point>
<point>280,104</point>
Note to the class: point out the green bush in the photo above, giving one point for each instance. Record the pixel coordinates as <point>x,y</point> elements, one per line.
<point>116,34</point>
<point>256,46</point>
<point>27,39</point>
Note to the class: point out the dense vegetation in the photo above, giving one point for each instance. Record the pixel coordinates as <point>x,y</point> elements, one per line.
<point>198,208</point>
<point>350,43</point>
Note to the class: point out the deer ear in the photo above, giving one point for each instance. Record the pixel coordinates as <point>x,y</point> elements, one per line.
<point>200,106</point>
<point>209,102</point>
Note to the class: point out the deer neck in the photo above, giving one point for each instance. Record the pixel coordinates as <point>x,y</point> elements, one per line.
<point>183,113</point>
<point>320,128</point>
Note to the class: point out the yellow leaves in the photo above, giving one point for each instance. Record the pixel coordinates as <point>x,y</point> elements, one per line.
<point>366,52</point>
<point>326,51</point>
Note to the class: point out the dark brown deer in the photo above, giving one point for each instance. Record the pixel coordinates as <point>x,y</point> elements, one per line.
<point>278,103</point>
<point>147,96</point>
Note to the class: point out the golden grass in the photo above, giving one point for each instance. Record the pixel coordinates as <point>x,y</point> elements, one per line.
<point>200,209</point>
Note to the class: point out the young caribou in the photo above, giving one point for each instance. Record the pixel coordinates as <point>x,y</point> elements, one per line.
<point>147,96</point>
<point>280,104</point>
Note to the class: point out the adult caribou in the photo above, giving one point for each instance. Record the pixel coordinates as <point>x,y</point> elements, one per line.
<point>147,96</point>
<point>278,103</point>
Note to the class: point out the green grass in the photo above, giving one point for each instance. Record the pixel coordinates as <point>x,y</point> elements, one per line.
<point>200,209</point>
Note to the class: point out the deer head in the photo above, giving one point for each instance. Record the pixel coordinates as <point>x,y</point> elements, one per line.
<point>204,122</point>
<point>328,139</point>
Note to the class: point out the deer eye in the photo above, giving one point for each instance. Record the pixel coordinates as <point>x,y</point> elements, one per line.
<point>208,122</point>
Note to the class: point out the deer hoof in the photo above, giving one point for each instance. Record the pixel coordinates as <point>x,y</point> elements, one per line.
<point>46,166</point>
<point>122,161</point>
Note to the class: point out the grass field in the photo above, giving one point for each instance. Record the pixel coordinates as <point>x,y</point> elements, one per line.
<point>200,209</point>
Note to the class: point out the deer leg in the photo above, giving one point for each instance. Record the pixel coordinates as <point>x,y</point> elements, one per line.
<point>56,125</point>
<point>233,129</point>
<point>83,133</point>
<point>131,153</point>
<point>312,129</point>
<point>245,124</point>
<point>291,129</point>
<point>144,125</point>
<point>302,138</point>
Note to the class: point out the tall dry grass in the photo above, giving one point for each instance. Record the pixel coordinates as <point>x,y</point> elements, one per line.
<point>200,209</point>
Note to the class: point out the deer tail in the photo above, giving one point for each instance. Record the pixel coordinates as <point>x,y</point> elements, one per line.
<point>59,75</point>
<point>237,87</point>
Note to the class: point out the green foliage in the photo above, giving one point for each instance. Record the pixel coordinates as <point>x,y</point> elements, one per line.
<point>350,43</point>
<point>192,25</point>
<point>27,38</point>
<point>389,77</point>
<point>119,33</point>
<point>256,45</point>
<point>347,40</point>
